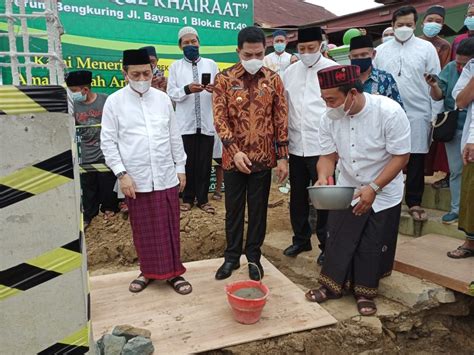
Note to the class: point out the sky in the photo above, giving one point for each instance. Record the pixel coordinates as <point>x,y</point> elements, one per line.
<point>343,7</point>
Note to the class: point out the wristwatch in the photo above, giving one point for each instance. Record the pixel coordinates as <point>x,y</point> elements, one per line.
<point>285,157</point>
<point>120,174</point>
<point>375,187</point>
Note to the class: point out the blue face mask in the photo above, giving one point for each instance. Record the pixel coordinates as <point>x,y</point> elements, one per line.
<point>431,29</point>
<point>191,52</point>
<point>279,47</point>
<point>363,63</point>
<point>469,23</point>
<point>78,96</point>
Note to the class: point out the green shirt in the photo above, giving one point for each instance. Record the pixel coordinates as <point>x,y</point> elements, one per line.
<point>447,80</point>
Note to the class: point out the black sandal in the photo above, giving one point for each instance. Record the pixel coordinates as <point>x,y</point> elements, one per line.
<point>363,302</point>
<point>142,284</point>
<point>207,207</point>
<point>177,283</point>
<point>320,295</point>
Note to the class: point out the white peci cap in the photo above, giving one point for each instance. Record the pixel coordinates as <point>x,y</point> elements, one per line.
<point>186,31</point>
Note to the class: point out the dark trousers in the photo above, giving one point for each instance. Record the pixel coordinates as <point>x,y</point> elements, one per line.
<point>255,189</point>
<point>415,182</point>
<point>198,148</point>
<point>303,174</point>
<point>98,192</point>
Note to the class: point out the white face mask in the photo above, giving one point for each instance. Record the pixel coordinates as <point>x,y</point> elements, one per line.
<point>339,112</point>
<point>78,96</point>
<point>404,33</point>
<point>252,66</point>
<point>310,59</point>
<point>387,38</point>
<point>140,86</point>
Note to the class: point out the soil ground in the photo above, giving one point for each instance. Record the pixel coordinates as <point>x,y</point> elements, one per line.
<point>446,328</point>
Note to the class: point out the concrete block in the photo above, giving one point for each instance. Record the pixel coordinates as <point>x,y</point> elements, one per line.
<point>413,292</point>
<point>445,296</point>
<point>433,225</point>
<point>437,199</point>
<point>34,230</point>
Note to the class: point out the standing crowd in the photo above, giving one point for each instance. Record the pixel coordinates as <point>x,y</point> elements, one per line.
<point>304,115</point>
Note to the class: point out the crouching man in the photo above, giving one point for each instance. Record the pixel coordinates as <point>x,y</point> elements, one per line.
<point>370,134</point>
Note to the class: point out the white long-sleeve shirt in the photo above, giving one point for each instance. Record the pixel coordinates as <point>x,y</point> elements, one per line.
<point>407,63</point>
<point>277,62</point>
<point>180,75</point>
<point>365,143</point>
<point>468,131</point>
<point>140,136</point>
<point>305,107</point>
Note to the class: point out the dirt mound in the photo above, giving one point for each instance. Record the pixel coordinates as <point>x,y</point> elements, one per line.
<point>110,244</point>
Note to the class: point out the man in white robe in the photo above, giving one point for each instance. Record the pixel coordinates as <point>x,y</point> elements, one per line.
<point>409,59</point>
<point>143,147</point>
<point>279,60</point>
<point>190,86</point>
<point>305,108</point>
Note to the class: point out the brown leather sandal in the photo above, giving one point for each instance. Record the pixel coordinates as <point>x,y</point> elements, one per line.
<point>185,207</point>
<point>366,303</point>
<point>179,284</point>
<point>418,214</point>
<point>461,253</point>
<point>208,208</point>
<point>141,285</point>
<point>320,295</point>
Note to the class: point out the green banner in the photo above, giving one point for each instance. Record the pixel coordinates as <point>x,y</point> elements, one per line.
<point>97,31</point>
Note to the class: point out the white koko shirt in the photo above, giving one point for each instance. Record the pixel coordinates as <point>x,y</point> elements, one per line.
<point>180,75</point>
<point>407,63</point>
<point>277,63</point>
<point>365,143</point>
<point>140,136</point>
<point>305,107</point>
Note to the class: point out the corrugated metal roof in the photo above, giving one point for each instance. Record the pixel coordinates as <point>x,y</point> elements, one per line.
<point>278,13</point>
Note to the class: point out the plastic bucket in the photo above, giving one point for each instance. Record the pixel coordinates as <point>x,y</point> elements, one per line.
<point>246,310</point>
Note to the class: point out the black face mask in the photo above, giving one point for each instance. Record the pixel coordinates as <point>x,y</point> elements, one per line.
<point>191,52</point>
<point>363,63</point>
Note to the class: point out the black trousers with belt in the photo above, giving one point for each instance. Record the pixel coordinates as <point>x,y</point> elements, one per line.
<point>198,148</point>
<point>98,193</point>
<point>303,174</point>
<point>255,190</point>
<point>415,182</point>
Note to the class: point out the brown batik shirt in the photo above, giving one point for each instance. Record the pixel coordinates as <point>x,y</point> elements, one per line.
<point>251,116</point>
<point>443,48</point>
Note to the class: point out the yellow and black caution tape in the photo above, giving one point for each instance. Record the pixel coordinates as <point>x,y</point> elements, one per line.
<point>76,343</point>
<point>41,269</point>
<point>98,125</point>
<point>36,179</point>
<point>31,99</point>
<point>93,168</point>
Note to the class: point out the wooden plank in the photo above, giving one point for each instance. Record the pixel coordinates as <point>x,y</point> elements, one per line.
<point>201,321</point>
<point>426,258</point>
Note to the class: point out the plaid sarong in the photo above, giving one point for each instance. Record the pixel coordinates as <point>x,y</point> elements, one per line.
<point>154,217</point>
